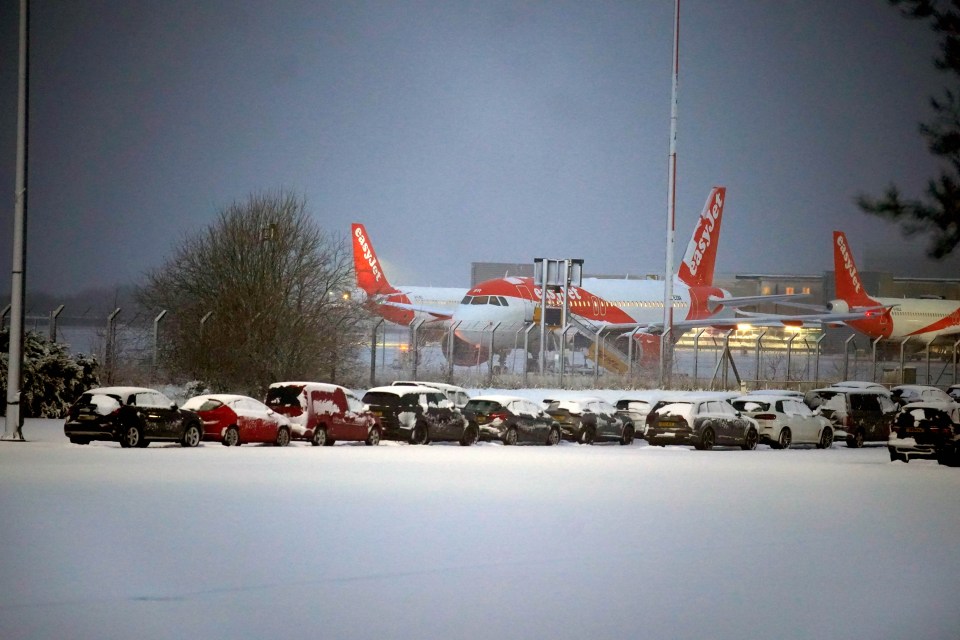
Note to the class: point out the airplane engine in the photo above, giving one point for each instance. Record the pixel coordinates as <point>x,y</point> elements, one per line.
<point>464,353</point>
<point>838,306</point>
<point>649,352</point>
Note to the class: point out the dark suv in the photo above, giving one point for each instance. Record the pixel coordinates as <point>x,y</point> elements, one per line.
<point>511,419</point>
<point>418,415</point>
<point>587,420</point>
<point>132,416</point>
<point>858,414</point>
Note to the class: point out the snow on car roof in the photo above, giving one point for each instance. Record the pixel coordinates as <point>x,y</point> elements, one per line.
<point>402,389</point>
<point>764,397</point>
<point>119,391</point>
<point>225,398</point>
<point>501,398</point>
<point>322,386</point>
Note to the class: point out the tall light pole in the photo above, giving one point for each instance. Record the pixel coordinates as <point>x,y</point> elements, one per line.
<point>666,342</point>
<point>14,419</point>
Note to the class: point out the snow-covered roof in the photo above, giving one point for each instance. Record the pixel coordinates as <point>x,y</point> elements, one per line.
<point>402,390</point>
<point>320,386</point>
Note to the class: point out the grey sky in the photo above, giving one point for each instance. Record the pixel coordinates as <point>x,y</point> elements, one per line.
<point>467,131</point>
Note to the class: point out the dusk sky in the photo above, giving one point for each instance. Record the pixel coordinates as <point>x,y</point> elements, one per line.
<point>467,131</point>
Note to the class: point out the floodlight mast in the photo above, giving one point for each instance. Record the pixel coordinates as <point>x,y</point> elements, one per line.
<point>14,415</point>
<point>666,342</point>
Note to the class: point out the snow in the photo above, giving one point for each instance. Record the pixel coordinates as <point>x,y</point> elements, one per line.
<point>443,541</point>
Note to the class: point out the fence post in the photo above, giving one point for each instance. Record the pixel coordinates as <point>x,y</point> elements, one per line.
<point>109,355</point>
<point>53,323</point>
<point>373,354</point>
<point>156,339</point>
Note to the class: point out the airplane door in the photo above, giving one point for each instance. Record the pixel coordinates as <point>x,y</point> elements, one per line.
<point>526,298</point>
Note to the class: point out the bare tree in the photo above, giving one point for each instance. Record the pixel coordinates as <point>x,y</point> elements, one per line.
<point>261,295</point>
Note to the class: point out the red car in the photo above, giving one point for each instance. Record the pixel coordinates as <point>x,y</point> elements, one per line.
<point>236,420</point>
<point>323,413</point>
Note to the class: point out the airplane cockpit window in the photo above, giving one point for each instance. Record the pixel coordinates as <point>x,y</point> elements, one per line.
<point>503,301</point>
<point>495,301</point>
<point>480,300</point>
<point>466,300</point>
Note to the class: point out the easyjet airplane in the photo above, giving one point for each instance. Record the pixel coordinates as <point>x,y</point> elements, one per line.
<point>921,319</point>
<point>401,305</point>
<point>505,306</point>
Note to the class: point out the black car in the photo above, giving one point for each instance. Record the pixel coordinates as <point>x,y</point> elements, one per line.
<point>511,419</point>
<point>418,415</point>
<point>924,430</point>
<point>702,421</point>
<point>132,416</point>
<point>587,420</point>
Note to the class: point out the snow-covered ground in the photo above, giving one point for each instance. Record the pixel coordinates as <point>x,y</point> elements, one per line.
<point>443,541</point>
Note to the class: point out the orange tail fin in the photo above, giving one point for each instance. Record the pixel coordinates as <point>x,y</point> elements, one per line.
<point>370,276</point>
<point>846,277</point>
<point>696,269</point>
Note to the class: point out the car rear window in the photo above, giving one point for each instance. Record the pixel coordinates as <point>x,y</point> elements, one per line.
<point>682,409</point>
<point>202,404</point>
<point>483,406</point>
<point>103,404</point>
<point>751,405</point>
<point>288,396</point>
<point>386,399</point>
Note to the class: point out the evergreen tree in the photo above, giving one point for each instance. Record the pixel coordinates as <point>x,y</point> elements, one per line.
<point>939,213</point>
<point>53,378</point>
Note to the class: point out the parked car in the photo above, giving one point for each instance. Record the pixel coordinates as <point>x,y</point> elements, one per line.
<point>457,395</point>
<point>954,392</point>
<point>511,419</point>
<point>701,421</point>
<point>418,415</point>
<point>908,393</point>
<point>588,420</point>
<point>858,414</point>
<point>923,430</point>
<point>235,420</point>
<point>132,416</point>
<point>324,413</point>
<point>635,407</point>
<point>785,420</point>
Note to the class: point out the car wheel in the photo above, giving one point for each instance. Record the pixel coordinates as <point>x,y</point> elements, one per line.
<point>750,440</point>
<point>418,435</point>
<point>628,435</point>
<point>131,436</point>
<point>191,436</point>
<point>783,442</point>
<point>856,440</point>
<point>373,438</point>
<point>554,437</point>
<point>283,437</point>
<point>231,438</point>
<point>826,439</point>
<point>470,436</point>
<point>707,439</point>
<point>510,438</point>
<point>319,436</point>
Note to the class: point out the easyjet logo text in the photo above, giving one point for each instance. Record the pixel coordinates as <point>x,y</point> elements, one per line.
<point>848,263</point>
<point>712,219</point>
<point>368,254</point>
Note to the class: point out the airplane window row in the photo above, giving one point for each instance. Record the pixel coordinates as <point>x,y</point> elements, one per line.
<point>497,301</point>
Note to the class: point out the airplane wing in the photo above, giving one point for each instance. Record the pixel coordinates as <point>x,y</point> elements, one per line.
<point>747,301</point>
<point>437,313</point>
